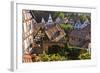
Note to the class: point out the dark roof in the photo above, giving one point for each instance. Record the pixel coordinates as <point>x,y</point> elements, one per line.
<point>81,33</point>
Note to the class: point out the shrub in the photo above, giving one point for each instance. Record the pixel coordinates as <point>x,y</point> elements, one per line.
<point>44,57</point>
<point>85,55</point>
<point>54,57</point>
<point>51,57</point>
<point>57,57</point>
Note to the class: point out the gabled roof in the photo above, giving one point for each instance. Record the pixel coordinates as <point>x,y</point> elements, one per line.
<point>81,33</point>
<point>50,21</point>
<point>58,20</point>
<point>43,21</point>
<point>55,33</point>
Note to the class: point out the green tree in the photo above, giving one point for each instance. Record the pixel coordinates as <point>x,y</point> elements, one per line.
<point>66,26</point>
<point>61,15</point>
<point>85,55</point>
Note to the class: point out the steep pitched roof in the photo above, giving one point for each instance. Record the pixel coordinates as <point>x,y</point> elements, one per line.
<point>55,33</point>
<point>81,33</point>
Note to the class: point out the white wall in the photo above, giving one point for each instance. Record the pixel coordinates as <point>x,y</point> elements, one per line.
<point>5,35</point>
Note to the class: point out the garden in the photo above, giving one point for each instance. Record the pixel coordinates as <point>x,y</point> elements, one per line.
<point>62,54</point>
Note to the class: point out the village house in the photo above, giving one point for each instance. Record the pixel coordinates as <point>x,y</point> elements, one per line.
<point>80,37</point>
<point>41,35</point>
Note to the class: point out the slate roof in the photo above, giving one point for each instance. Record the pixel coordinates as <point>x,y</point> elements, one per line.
<point>81,33</point>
